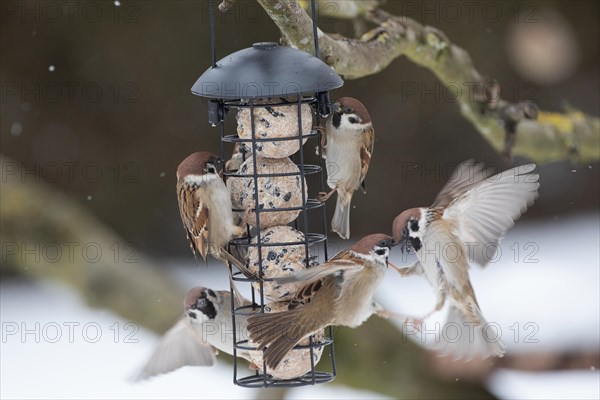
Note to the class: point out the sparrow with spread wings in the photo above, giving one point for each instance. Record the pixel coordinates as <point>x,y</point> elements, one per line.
<point>338,292</point>
<point>468,218</point>
<point>195,340</point>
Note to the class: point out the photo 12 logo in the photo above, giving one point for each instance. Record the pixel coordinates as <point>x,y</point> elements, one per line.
<point>69,12</point>
<point>68,332</point>
<point>70,252</point>
<point>69,172</point>
<point>70,92</point>
<point>453,332</point>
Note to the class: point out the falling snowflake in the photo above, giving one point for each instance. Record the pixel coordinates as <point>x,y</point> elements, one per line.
<point>51,68</point>
<point>16,129</point>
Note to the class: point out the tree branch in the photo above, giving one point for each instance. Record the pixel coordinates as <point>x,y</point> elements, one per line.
<point>509,128</point>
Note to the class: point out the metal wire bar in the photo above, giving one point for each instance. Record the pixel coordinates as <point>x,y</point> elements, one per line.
<point>262,378</point>
<point>213,50</point>
<point>313,7</point>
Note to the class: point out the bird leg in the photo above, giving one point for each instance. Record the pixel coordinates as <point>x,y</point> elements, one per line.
<point>441,299</point>
<point>415,269</point>
<point>324,196</point>
<point>385,314</point>
<point>323,131</point>
<point>246,216</point>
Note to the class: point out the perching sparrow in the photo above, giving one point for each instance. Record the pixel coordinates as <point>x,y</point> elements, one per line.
<point>338,292</point>
<point>350,139</point>
<point>205,207</point>
<point>238,156</point>
<point>197,337</point>
<point>467,219</point>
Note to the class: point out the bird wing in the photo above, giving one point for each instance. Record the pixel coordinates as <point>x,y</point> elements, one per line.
<point>194,215</point>
<point>366,151</point>
<point>464,177</point>
<point>179,347</point>
<point>483,214</point>
<point>327,274</point>
<point>319,272</point>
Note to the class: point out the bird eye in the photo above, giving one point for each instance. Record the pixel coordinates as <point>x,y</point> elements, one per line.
<point>348,110</point>
<point>383,243</point>
<point>210,168</point>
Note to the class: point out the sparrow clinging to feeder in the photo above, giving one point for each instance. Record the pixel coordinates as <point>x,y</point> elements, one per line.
<point>350,139</point>
<point>205,207</point>
<point>338,292</point>
<point>469,216</point>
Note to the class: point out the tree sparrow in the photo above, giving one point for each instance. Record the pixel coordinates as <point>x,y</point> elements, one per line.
<point>338,292</point>
<point>471,212</point>
<point>197,337</point>
<point>238,156</point>
<point>205,207</point>
<point>350,138</point>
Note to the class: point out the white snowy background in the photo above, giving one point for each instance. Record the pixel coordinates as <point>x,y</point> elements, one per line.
<point>558,291</point>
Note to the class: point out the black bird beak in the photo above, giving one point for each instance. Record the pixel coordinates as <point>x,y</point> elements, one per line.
<point>404,244</point>
<point>335,107</point>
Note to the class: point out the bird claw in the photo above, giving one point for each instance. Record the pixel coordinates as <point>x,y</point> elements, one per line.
<point>246,216</point>
<point>324,196</point>
<point>415,322</point>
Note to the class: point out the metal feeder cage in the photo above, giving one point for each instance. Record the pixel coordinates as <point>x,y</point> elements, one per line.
<point>277,76</point>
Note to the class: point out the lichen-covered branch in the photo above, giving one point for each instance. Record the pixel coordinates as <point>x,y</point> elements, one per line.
<point>509,128</point>
<point>45,234</point>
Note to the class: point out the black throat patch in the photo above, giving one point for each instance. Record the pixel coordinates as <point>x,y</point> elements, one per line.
<point>415,243</point>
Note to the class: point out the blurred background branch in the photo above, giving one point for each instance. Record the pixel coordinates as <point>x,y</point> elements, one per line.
<point>509,128</point>
<point>41,224</point>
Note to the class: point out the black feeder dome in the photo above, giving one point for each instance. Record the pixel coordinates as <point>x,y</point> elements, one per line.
<point>282,76</point>
<point>266,70</point>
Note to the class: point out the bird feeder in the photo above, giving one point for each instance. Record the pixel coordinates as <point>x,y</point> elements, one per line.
<point>276,91</point>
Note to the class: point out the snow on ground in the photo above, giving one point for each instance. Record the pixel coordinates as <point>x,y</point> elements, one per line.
<point>548,299</point>
<point>55,347</point>
<point>546,385</point>
<point>81,352</point>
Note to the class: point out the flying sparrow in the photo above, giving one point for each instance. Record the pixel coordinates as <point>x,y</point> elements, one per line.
<point>349,138</point>
<point>468,218</point>
<point>195,340</point>
<point>205,207</point>
<point>338,292</point>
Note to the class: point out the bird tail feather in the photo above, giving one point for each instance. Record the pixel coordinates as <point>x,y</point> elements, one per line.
<point>340,223</point>
<point>278,332</point>
<point>473,340</point>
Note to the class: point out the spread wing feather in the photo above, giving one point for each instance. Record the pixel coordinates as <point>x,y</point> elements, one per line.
<point>487,210</point>
<point>179,347</point>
